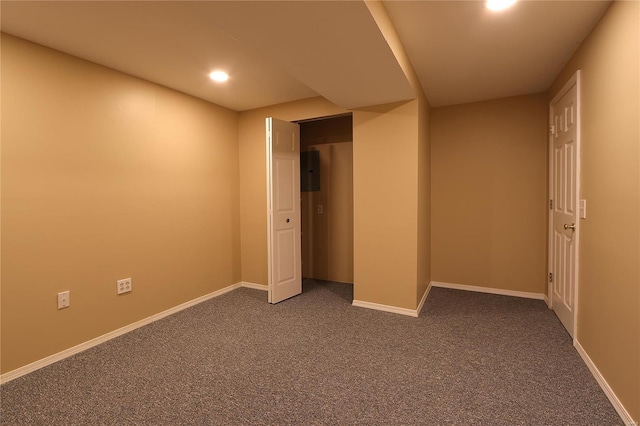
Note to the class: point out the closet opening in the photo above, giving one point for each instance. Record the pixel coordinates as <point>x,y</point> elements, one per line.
<point>326,201</point>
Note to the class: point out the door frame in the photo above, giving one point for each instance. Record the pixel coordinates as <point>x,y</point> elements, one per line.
<point>574,80</point>
<point>269,210</point>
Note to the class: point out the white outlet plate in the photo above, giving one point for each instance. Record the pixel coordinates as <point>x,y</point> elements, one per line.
<point>123,286</point>
<point>64,299</point>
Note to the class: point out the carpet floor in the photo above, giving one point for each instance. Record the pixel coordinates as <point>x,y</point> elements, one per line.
<point>470,358</point>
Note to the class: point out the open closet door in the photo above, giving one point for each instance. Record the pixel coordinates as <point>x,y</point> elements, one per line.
<point>283,209</point>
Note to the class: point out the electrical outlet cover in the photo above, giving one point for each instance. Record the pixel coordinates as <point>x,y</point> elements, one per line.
<point>123,286</point>
<point>64,299</point>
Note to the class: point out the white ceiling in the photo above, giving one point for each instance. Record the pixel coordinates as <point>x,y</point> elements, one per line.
<point>282,51</point>
<point>463,52</point>
<point>168,43</point>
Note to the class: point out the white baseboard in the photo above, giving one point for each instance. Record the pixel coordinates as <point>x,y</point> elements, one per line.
<point>385,308</point>
<point>254,286</point>
<point>394,309</point>
<point>500,291</point>
<point>622,412</point>
<point>18,372</point>
<point>424,299</point>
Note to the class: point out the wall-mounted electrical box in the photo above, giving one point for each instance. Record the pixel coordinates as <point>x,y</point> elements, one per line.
<point>310,171</point>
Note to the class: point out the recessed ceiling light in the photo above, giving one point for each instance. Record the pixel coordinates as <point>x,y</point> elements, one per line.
<point>499,4</point>
<point>219,76</point>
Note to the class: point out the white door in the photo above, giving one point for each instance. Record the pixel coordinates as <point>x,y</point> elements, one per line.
<point>283,209</point>
<point>564,187</point>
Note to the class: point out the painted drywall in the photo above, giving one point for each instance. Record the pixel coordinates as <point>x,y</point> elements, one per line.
<point>253,183</point>
<point>105,176</point>
<point>388,30</point>
<point>327,236</point>
<point>385,180</point>
<point>489,192</point>
<point>424,198</point>
<point>333,130</point>
<point>609,253</point>
<point>423,277</point>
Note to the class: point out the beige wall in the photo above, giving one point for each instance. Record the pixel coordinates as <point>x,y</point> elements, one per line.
<point>340,213</point>
<point>424,198</point>
<point>105,176</point>
<point>489,194</point>
<point>327,237</point>
<point>253,184</point>
<point>385,180</point>
<point>609,278</point>
<point>331,130</point>
<point>423,154</point>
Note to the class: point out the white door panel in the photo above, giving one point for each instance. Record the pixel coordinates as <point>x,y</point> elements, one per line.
<point>283,208</point>
<point>284,261</point>
<point>284,173</point>
<point>564,180</point>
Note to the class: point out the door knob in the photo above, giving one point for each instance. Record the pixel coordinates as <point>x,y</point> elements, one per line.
<point>572,226</point>
<point>288,221</point>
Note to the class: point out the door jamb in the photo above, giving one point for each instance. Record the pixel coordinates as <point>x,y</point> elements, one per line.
<point>269,236</point>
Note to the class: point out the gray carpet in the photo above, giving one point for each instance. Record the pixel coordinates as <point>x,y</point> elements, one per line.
<point>470,358</point>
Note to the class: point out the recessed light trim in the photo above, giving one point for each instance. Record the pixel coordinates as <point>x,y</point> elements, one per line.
<point>219,76</point>
<point>497,5</point>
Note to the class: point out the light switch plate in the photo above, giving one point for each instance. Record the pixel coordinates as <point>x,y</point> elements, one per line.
<point>583,209</point>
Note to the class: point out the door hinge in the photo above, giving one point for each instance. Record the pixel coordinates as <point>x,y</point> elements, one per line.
<point>550,204</point>
<point>552,130</point>
<point>550,277</point>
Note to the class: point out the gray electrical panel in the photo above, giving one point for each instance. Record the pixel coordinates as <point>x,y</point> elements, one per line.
<point>310,171</point>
